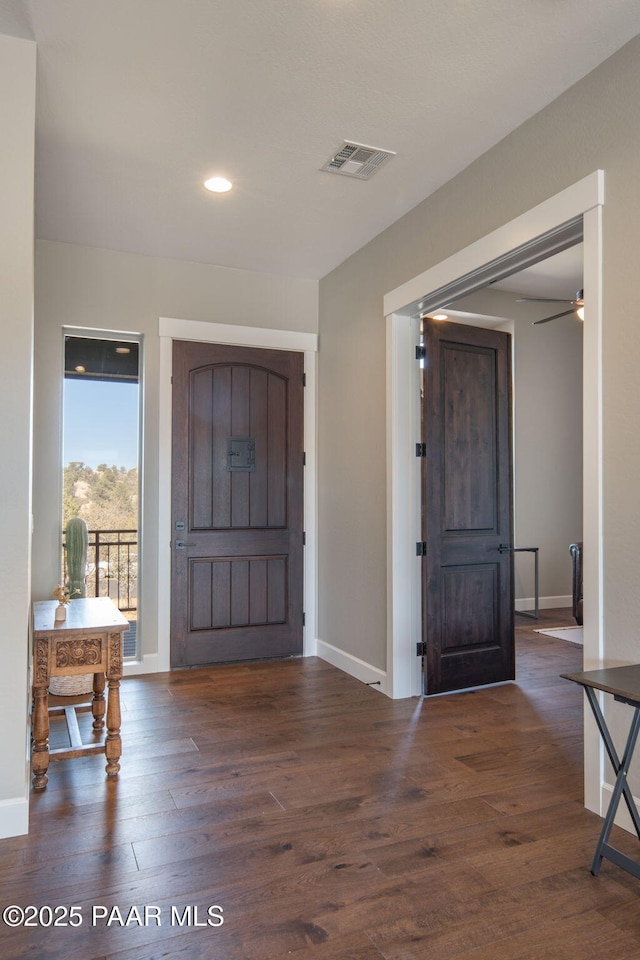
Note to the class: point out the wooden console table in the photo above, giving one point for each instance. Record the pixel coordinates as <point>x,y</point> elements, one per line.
<point>88,641</point>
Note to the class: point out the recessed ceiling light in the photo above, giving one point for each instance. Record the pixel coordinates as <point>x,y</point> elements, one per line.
<point>123,349</point>
<point>218,184</point>
<point>439,316</point>
<point>80,369</point>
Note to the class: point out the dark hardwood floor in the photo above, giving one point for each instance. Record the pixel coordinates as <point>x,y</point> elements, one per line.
<point>329,823</point>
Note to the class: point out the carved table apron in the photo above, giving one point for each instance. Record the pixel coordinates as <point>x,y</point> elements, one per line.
<point>88,641</point>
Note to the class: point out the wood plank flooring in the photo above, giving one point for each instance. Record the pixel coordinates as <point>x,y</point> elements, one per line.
<point>329,823</point>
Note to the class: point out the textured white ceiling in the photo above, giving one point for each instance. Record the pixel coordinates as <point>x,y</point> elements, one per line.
<point>141,100</point>
<point>557,276</point>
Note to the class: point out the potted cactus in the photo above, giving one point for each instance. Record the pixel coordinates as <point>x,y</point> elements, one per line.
<point>77,543</point>
<point>77,547</point>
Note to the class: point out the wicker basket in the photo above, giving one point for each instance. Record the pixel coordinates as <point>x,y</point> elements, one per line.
<point>72,686</point>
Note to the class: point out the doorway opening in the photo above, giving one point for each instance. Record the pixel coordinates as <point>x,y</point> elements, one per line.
<point>583,201</point>
<point>101,467</point>
<point>539,310</point>
<point>548,427</point>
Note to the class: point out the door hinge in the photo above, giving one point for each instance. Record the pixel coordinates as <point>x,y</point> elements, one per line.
<point>421,449</point>
<point>421,649</point>
<point>304,619</point>
<point>304,459</point>
<point>421,352</point>
<point>304,538</point>
<point>304,379</point>
<point>421,548</point>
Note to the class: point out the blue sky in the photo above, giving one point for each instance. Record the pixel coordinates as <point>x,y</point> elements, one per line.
<point>101,423</point>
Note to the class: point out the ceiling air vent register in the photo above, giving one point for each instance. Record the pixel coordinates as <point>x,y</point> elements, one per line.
<point>357,160</point>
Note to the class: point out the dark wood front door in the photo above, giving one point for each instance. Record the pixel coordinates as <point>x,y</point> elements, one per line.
<point>237,504</point>
<point>467,507</point>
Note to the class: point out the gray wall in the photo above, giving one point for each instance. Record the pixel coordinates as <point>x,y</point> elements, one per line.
<point>594,125</point>
<point>547,427</point>
<point>110,291</point>
<point>17,120</point>
<point>547,451</point>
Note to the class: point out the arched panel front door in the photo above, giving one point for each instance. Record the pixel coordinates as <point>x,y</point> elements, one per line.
<point>237,504</point>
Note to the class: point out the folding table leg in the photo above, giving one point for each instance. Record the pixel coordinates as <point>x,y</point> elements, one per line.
<point>613,756</point>
<point>621,788</point>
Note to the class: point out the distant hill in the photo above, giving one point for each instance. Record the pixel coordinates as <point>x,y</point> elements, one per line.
<point>107,497</point>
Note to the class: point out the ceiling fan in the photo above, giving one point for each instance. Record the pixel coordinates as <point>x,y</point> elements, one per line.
<point>577,306</point>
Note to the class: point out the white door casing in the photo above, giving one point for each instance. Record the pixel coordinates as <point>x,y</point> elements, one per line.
<point>583,199</point>
<point>176,329</point>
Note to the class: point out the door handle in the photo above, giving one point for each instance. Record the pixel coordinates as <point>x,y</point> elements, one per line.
<point>181,544</point>
<point>504,548</point>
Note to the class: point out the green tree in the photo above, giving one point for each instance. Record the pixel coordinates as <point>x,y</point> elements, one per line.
<point>107,498</point>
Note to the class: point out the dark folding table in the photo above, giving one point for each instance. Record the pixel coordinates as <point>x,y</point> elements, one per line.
<point>623,683</point>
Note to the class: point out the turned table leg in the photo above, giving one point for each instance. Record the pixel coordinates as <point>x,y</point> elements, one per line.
<point>40,727</point>
<point>98,704</point>
<point>40,754</point>
<point>113,743</point>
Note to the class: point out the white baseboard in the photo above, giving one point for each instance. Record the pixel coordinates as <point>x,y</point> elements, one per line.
<point>151,663</point>
<point>545,603</point>
<point>14,817</point>
<point>352,665</point>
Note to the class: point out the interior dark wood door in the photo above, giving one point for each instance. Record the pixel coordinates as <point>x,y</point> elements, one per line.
<point>237,504</point>
<point>467,507</point>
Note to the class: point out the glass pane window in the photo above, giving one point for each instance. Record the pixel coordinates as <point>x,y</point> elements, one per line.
<point>101,429</point>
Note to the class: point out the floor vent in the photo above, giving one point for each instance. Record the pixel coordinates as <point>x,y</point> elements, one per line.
<point>357,160</point>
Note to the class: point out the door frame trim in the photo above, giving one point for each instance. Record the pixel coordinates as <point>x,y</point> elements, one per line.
<point>584,198</point>
<point>171,329</point>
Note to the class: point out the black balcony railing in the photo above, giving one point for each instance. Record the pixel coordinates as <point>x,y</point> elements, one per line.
<point>112,567</point>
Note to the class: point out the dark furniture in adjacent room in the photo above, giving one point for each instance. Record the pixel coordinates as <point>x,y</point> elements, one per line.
<point>576,555</point>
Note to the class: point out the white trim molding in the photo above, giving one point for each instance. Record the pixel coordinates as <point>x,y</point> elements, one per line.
<point>14,817</point>
<point>237,335</point>
<point>355,667</point>
<point>583,199</point>
<point>575,201</point>
<point>149,663</point>
<point>404,615</point>
<point>307,343</point>
<point>544,603</point>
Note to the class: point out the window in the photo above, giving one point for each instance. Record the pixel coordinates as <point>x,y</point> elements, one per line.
<point>101,429</point>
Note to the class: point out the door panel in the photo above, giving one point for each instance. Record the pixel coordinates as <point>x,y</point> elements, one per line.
<point>238,592</point>
<point>469,438</point>
<point>237,504</point>
<point>467,507</point>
